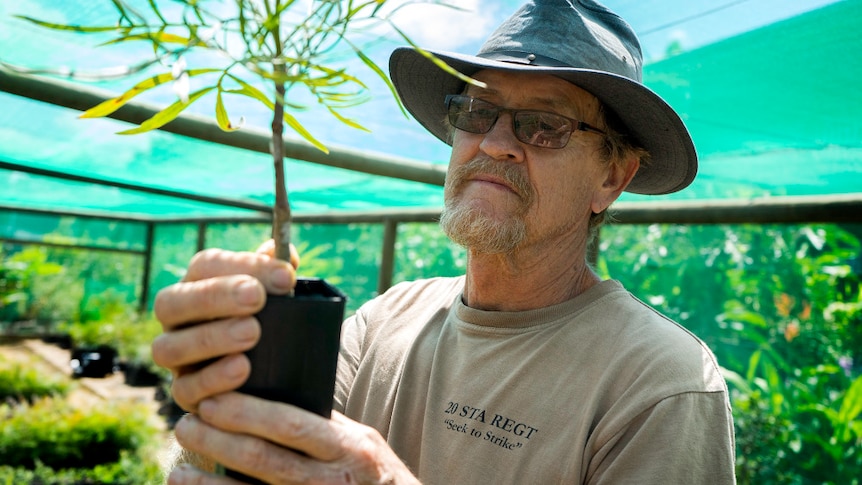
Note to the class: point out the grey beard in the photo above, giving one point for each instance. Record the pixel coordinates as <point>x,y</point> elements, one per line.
<point>471,229</point>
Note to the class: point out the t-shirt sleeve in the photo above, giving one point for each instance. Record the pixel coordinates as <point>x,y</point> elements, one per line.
<point>685,438</point>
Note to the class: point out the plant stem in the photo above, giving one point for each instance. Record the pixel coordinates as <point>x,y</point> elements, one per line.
<point>281,210</point>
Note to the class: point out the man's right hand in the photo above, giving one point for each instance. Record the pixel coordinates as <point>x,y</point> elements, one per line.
<point>208,319</point>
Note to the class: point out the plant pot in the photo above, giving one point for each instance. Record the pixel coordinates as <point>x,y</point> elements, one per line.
<point>295,360</point>
<point>138,374</point>
<point>93,361</point>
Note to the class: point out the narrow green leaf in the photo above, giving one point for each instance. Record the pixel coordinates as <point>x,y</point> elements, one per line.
<point>107,107</point>
<point>168,114</point>
<point>252,92</point>
<point>347,121</point>
<point>382,75</point>
<point>440,62</point>
<point>297,127</point>
<point>73,28</point>
<point>158,13</point>
<point>851,404</point>
<point>157,37</point>
<point>221,115</point>
<point>753,362</point>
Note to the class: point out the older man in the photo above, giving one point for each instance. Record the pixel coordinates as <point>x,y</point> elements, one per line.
<point>528,369</point>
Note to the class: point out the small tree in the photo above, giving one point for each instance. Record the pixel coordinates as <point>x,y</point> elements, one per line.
<point>279,43</point>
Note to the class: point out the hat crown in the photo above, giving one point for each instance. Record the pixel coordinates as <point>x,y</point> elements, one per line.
<point>567,33</point>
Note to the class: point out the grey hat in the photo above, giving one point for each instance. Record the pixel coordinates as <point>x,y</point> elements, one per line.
<point>577,40</point>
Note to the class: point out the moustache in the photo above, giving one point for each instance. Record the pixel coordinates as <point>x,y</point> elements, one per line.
<point>513,175</point>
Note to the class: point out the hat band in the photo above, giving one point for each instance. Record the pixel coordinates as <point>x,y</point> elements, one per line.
<point>526,58</point>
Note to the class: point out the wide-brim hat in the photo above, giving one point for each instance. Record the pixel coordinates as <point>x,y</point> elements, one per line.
<point>582,42</point>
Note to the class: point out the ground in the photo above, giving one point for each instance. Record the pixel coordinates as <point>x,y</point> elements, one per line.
<point>87,392</point>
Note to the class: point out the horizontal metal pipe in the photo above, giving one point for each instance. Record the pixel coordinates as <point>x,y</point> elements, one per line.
<point>842,208</point>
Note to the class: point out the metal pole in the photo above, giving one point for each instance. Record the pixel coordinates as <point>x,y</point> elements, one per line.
<point>143,302</point>
<point>387,260</point>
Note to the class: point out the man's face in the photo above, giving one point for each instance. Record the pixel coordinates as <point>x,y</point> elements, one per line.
<point>502,194</point>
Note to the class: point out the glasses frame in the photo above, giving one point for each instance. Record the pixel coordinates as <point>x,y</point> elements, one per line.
<point>573,124</point>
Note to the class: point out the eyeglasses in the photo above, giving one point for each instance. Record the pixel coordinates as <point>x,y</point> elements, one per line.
<point>538,128</point>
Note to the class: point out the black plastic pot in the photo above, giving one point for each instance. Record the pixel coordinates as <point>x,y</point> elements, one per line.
<point>93,361</point>
<point>295,360</point>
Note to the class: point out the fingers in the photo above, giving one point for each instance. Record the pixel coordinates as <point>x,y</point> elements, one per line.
<point>246,454</point>
<point>276,275</point>
<point>213,298</point>
<point>223,375</point>
<point>268,248</point>
<point>263,439</point>
<point>189,345</point>
<point>282,424</point>
<point>221,284</point>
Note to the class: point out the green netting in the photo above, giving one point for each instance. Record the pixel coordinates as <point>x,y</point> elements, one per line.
<point>76,231</point>
<point>775,111</point>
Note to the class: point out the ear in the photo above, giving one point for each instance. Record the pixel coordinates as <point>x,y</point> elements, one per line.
<point>618,178</point>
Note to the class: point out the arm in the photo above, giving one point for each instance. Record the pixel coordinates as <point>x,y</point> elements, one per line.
<point>220,293</point>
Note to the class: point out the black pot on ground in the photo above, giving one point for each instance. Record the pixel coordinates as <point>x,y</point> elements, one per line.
<point>295,360</point>
<point>94,361</point>
<point>139,374</point>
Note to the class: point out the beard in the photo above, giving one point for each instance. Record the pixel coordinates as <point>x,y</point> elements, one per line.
<point>472,227</point>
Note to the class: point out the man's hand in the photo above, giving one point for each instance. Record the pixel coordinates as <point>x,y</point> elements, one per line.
<point>208,318</point>
<point>208,321</point>
<point>263,439</point>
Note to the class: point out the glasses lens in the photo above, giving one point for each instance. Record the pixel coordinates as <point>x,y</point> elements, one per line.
<point>471,114</point>
<point>542,129</point>
<point>538,128</point>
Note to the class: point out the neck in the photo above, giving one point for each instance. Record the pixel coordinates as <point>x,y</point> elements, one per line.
<point>527,279</point>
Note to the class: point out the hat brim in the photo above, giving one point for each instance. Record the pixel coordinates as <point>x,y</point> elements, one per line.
<point>423,86</point>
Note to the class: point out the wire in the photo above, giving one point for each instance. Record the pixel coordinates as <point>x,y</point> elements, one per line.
<point>690,18</point>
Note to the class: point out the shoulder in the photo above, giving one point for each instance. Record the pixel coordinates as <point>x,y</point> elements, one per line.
<point>650,346</point>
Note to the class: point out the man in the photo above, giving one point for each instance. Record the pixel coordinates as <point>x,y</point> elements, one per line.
<point>528,369</point>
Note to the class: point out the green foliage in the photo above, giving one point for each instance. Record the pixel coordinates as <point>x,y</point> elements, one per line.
<point>130,469</point>
<point>423,251</point>
<point>53,285</point>
<point>780,305</point>
<point>23,285</point>
<point>22,382</point>
<point>57,435</point>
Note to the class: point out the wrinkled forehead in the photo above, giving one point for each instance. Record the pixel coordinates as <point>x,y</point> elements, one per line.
<point>534,91</point>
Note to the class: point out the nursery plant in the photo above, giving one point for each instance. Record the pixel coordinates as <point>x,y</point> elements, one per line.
<point>263,50</point>
<point>20,381</point>
<point>110,444</point>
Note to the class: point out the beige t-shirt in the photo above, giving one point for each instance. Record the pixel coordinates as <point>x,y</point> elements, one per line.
<point>599,389</point>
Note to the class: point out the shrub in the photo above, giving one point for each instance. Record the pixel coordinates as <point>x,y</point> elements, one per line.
<point>20,381</point>
<point>129,470</point>
<point>57,435</point>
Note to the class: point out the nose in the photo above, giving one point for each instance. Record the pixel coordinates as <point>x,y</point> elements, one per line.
<point>500,143</point>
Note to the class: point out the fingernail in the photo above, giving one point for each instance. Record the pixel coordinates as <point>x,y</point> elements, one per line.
<point>247,293</point>
<point>244,330</point>
<point>281,279</point>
